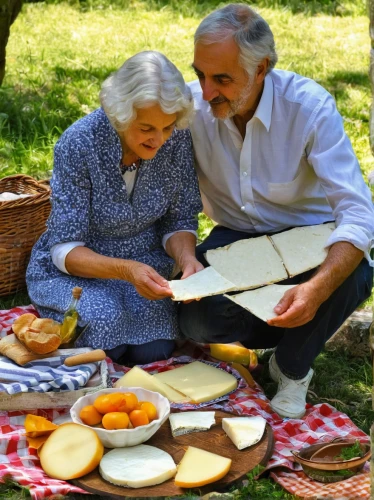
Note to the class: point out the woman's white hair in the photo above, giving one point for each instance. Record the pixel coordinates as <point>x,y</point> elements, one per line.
<point>146,79</point>
<point>249,30</point>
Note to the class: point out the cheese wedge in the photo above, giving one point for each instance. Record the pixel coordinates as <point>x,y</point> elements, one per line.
<point>136,377</point>
<point>303,248</point>
<point>248,263</point>
<point>137,466</point>
<point>71,451</point>
<point>261,302</point>
<point>191,421</point>
<point>202,284</point>
<point>199,381</point>
<point>199,467</point>
<point>244,431</point>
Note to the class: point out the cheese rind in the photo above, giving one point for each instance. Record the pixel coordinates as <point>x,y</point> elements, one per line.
<point>303,248</point>
<point>71,451</point>
<point>199,381</point>
<point>137,466</point>
<point>248,263</point>
<point>199,467</point>
<point>136,377</point>
<point>202,284</point>
<point>244,431</point>
<point>261,302</point>
<point>191,421</point>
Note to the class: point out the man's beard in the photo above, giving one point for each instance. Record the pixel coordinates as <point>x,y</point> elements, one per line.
<point>238,106</point>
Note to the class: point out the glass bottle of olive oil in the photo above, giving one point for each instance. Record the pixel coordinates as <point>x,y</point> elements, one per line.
<point>70,321</point>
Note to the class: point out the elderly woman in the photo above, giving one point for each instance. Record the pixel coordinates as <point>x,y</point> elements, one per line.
<point>124,204</point>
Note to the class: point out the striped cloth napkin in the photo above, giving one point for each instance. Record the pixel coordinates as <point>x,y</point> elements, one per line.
<point>43,375</point>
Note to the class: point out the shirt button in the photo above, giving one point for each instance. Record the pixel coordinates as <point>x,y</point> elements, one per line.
<point>242,208</point>
<point>245,174</point>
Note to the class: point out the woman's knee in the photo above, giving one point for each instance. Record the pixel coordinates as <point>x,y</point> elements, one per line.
<point>157,350</point>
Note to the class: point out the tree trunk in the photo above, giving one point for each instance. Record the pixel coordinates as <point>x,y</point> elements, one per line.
<point>9,10</point>
<point>371,71</point>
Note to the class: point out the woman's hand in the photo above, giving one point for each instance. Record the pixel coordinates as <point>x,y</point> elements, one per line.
<point>147,282</point>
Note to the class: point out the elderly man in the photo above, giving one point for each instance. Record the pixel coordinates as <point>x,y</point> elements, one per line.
<point>272,154</point>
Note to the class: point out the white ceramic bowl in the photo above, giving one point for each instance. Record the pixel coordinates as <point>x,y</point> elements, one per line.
<point>125,437</point>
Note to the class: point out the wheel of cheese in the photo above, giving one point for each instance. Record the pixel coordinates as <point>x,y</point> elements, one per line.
<point>71,451</point>
<point>137,466</point>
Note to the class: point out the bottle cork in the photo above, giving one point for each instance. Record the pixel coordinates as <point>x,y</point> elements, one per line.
<point>76,292</point>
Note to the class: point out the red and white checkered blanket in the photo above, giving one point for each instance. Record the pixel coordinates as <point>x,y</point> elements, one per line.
<point>321,422</point>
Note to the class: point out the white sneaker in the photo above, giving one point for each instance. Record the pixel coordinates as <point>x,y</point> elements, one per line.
<point>291,395</point>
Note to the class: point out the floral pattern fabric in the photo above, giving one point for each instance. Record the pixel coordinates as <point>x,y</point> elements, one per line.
<point>90,204</point>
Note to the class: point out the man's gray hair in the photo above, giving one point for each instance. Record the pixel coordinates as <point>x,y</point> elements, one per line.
<point>249,30</point>
<point>145,79</point>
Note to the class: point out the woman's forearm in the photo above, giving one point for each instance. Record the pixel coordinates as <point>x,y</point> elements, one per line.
<point>83,262</point>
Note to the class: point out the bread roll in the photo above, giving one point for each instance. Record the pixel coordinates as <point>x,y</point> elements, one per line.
<point>40,342</point>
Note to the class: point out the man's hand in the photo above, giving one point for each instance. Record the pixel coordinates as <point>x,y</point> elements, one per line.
<point>190,267</point>
<point>147,282</point>
<point>297,307</point>
<point>300,304</point>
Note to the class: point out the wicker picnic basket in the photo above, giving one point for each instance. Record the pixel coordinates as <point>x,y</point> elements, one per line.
<point>22,221</point>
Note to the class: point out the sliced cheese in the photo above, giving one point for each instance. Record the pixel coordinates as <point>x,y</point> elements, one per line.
<point>202,284</point>
<point>199,467</point>
<point>244,431</point>
<point>199,381</point>
<point>71,451</point>
<point>137,466</point>
<point>248,263</point>
<point>303,248</point>
<point>136,377</point>
<point>261,302</point>
<point>191,421</point>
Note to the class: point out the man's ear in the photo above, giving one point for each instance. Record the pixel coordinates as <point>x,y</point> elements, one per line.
<point>261,70</point>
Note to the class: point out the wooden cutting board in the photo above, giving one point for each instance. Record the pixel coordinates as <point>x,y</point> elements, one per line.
<point>215,440</point>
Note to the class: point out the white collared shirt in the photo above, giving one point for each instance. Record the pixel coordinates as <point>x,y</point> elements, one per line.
<point>295,166</point>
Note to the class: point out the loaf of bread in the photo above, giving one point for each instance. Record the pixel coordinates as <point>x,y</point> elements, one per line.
<point>39,335</point>
<point>13,349</point>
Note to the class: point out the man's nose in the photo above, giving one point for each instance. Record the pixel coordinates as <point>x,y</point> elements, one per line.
<point>209,90</point>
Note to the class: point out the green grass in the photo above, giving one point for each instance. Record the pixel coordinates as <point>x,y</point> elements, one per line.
<point>59,53</point>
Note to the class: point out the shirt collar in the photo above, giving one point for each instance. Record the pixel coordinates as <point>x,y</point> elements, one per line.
<point>265,106</point>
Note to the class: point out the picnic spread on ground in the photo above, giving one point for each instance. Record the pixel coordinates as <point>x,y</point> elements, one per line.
<point>188,422</point>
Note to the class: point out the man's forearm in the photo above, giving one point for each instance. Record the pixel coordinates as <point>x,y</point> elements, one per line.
<point>342,259</point>
<point>181,247</point>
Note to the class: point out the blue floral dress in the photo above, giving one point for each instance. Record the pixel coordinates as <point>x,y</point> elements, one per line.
<point>90,204</point>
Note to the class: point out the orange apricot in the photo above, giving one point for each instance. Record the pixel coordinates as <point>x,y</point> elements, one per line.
<point>150,410</point>
<point>128,403</point>
<point>107,403</point>
<point>138,418</point>
<point>90,416</point>
<point>115,420</point>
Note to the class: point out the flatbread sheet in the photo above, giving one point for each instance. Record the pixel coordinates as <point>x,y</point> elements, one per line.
<point>302,248</point>
<point>202,284</point>
<point>248,263</point>
<point>261,302</point>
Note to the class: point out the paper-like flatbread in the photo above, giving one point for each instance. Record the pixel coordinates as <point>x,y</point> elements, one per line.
<point>302,248</point>
<point>202,284</point>
<point>261,302</point>
<point>248,263</point>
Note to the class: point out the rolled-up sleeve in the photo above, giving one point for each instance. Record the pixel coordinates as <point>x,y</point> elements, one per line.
<point>332,157</point>
<point>186,203</point>
<point>71,190</point>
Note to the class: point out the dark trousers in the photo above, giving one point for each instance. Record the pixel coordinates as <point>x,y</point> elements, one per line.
<point>142,354</point>
<point>218,320</point>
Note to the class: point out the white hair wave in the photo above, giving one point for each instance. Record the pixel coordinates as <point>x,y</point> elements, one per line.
<point>249,30</point>
<point>146,79</point>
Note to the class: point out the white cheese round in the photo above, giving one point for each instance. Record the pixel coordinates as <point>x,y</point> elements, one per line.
<point>137,466</point>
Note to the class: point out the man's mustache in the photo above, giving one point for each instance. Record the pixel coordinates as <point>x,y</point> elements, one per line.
<point>218,100</point>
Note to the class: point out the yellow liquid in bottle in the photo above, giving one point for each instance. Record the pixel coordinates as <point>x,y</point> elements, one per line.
<point>68,327</point>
